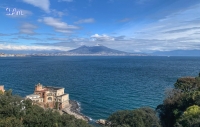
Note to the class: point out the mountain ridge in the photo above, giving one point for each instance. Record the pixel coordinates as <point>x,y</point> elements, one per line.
<point>99,49</point>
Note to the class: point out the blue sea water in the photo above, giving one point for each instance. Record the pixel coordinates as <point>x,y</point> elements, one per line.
<point>102,85</point>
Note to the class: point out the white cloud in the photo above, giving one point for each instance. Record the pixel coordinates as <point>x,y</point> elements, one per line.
<point>30,47</point>
<point>54,12</point>
<point>42,4</point>
<point>27,28</point>
<point>58,39</point>
<point>26,12</point>
<point>89,20</point>
<point>58,25</point>
<point>175,31</point>
<point>178,25</point>
<point>64,31</point>
<point>97,37</point>
<point>65,0</point>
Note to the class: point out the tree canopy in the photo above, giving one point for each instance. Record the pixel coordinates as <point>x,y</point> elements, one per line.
<point>181,104</point>
<point>142,117</point>
<point>16,112</point>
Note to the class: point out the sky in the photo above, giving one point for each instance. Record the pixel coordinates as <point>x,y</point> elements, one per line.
<point>126,25</point>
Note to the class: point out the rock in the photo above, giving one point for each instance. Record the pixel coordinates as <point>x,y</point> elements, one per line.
<point>74,109</point>
<point>101,121</point>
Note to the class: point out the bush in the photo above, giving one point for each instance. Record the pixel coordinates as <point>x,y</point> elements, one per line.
<point>180,103</point>
<point>190,118</point>
<point>142,117</point>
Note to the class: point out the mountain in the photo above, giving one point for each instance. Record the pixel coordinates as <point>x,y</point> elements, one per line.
<point>178,53</point>
<point>98,50</point>
<point>95,50</point>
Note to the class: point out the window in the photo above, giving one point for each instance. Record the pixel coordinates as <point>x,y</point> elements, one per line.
<point>49,98</point>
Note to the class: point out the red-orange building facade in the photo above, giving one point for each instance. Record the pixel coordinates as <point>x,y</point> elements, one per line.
<point>52,97</point>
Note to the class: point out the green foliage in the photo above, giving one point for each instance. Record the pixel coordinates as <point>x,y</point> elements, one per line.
<point>192,111</point>
<point>8,92</point>
<point>142,117</point>
<point>181,102</point>
<point>16,112</point>
<point>187,84</point>
<point>190,118</point>
<point>10,122</point>
<point>56,105</point>
<point>1,92</point>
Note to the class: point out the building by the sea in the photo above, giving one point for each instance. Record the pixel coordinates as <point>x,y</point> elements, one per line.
<point>48,96</point>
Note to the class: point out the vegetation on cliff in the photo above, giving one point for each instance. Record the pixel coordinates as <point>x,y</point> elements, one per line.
<point>16,112</point>
<point>180,108</point>
<point>142,117</point>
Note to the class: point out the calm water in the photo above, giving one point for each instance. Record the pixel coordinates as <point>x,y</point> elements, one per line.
<point>102,85</point>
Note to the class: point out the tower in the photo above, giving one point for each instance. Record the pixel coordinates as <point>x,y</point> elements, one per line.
<point>38,87</point>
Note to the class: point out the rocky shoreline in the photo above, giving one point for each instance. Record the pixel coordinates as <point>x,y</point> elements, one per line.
<point>74,109</point>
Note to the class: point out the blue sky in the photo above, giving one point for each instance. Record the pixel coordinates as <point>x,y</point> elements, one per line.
<point>126,25</point>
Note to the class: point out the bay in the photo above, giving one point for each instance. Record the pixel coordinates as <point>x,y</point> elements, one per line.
<point>102,85</point>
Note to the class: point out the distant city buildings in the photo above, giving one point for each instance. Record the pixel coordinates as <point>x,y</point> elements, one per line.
<point>11,55</point>
<point>48,96</point>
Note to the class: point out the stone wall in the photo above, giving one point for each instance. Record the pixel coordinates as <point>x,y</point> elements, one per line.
<point>60,92</point>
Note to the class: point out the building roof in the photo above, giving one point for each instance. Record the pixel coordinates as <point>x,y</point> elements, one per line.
<point>53,88</point>
<point>63,95</point>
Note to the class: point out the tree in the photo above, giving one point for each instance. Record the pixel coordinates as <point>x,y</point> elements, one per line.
<point>10,122</point>
<point>190,118</point>
<point>16,112</point>
<point>186,93</point>
<point>142,117</point>
<point>8,92</point>
<point>187,84</point>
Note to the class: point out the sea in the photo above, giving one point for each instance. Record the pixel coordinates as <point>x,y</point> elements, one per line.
<point>101,85</point>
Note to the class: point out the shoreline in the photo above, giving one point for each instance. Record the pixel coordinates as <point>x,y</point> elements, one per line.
<point>74,109</point>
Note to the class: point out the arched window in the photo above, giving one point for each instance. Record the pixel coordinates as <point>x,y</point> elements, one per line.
<point>49,98</point>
